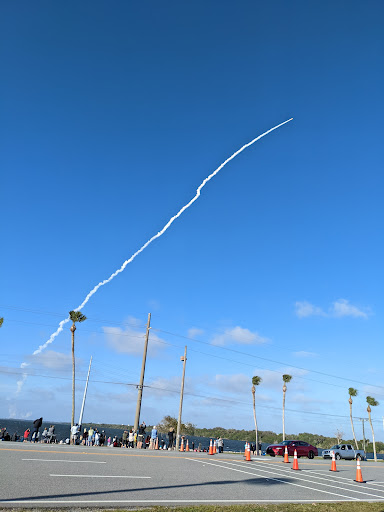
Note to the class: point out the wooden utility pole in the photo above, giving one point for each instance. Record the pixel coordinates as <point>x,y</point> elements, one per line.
<point>140,386</point>
<point>184,359</point>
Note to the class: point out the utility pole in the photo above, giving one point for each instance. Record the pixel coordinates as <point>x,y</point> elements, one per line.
<point>184,359</point>
<point>85,394</point>
<point>362,420</point>
<point>140,386</point>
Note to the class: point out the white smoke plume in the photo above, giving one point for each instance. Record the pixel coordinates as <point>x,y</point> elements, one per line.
<point>167,225</point>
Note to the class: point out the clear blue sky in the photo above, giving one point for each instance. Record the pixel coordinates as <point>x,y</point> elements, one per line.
<point>112,114</point>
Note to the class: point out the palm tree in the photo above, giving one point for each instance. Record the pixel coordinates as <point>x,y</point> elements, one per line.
<point>286,378</point>
<point>255,382</point>
<point>75,316</point>
<point>352,392</point>
<point>1,321</point>
<point>372,402</point>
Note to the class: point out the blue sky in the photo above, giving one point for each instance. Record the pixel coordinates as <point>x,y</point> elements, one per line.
<point>112,114</point>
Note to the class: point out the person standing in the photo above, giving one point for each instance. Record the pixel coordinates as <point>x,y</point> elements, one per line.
<point>125,439</point>
<point>131,439</point>
<point>153,438</point>
<point>36,425</point>
<point>171,435</point>
<point>141,436</point>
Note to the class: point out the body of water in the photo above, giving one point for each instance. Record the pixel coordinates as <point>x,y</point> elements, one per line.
<point>62,431</point>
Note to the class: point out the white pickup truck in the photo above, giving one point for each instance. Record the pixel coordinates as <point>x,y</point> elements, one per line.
<point>344,451</point>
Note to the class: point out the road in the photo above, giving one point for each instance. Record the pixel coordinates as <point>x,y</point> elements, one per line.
<point>60,476</point>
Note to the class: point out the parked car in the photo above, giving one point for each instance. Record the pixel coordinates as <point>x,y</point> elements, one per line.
<point>302,448</point>
<point>344,451</point>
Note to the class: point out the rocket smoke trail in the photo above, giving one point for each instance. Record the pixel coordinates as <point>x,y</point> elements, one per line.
<point>158,235</point>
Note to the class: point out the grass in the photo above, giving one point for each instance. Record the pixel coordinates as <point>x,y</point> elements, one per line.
<point>289,507</point>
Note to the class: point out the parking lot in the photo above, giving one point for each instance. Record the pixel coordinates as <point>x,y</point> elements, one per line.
<point>60,475</point>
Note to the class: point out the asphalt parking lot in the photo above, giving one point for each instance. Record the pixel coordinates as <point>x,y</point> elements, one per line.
<point>60,475</point>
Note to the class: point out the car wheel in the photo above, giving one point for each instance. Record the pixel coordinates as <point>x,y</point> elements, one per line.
<point>337,456</point>
<point>311,454</point>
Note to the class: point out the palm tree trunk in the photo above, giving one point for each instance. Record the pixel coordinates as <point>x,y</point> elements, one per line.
<point>373,437</point>
<point>256,431</point>
<point>73,328</point>
<point>283,414</point>
<point>353,430</point>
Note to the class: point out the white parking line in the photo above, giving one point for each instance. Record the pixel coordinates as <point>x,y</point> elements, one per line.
<point>100,476</point>
<point>288,471</point>
<point>179,501</point>
<point>64,460</point>
<point>348,498</point>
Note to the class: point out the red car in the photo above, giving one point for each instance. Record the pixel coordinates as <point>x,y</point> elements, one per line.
<point>303,449</point>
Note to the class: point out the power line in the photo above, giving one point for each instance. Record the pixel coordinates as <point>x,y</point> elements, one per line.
<point>267,359</point>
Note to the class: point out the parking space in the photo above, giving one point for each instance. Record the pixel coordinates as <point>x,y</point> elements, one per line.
<point>52,475</point>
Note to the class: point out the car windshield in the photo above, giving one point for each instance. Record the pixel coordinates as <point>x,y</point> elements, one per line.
<point>285,443</point>
<point>336,447</point>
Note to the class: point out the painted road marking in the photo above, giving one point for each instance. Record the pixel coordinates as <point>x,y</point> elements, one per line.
<point>180,501</point>
<point>101,476</point>
<point>300,478</point>
<point>323,477</point>
<point>63,460</point>
<point>276,479</point>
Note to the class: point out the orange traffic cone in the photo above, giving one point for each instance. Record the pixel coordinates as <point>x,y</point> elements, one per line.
<point>157,444</point>
<point>295,463</point>
<point>210,448</point>
<point>187,447</point>
<point>245,449</point>
<point>359,476</point>
<point>182,445</point>
<point>333,465</point>
<point>286,458</point>
<point>214,447</point>
<point>247,452</point>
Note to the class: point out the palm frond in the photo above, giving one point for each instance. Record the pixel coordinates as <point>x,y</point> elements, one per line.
<point>287,378</point>
<point>371,401</point>
<point>352,392</point>
<point>256,380</point>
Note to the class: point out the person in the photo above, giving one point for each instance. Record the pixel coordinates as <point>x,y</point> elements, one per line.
<point>36,426</point>
<point>171,434</point>
<point>125,439</point>
<point>220,445</point>
<point>85,437</point>
<point>131,438</point>
<point>102,438</point>
<point>74,433</point>
<point>153,440</point>
<point>44,435</point>
<point>51,434</point>
<point>97,438</point>
<point>109,441</point>
<point>26,434</point>
<point>141,434</point>
<point>14,437</point>
<point>193,446</point>
<point>90,435</point>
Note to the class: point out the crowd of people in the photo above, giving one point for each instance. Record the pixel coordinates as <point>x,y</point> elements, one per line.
<point>130,438</point>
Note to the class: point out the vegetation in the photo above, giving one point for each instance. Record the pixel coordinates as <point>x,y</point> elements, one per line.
<point>352,392</point>
<point>286,378</point>
<point>286,507</point>
<point>1,321</point>
<point>255,382</point>
<point>372,402</point>
<point>75,316</point>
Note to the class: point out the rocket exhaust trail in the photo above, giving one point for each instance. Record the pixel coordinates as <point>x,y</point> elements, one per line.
<point>167,225</point>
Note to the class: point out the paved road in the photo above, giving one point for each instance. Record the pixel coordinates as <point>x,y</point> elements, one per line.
<point>59,475</point>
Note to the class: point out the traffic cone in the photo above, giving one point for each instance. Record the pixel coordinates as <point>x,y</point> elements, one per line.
<point>182,445</point>
<point>359,476</point>
<point>187,447</point>
<point>247,453</point>
<point>157,444</point>
<point>245,449</point>
<point>214,447</point>
<point>333,465</point>
<point>210,448</point>
<point>286,458</point>
<point>295,463</point>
